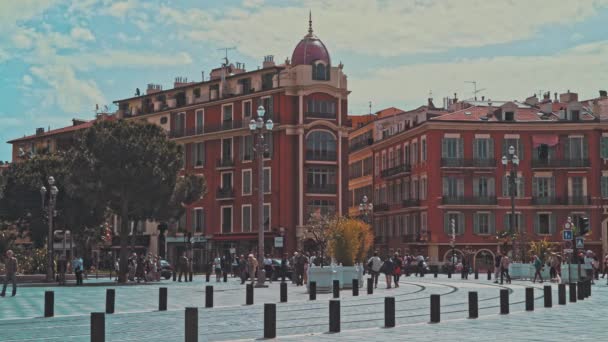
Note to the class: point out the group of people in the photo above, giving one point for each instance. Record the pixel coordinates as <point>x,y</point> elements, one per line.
<point>393,266</point>
<point>143,268</point>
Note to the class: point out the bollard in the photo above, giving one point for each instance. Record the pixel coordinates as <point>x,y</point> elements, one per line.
<point>489,275</point>
<point>548,295</point>
<point>98,327</point>
<point>174,276</point>
<point>208,296</point>
<point>283,292</point>
<point>504,301</point>
<point>370,286</point>
<point>355,287</point>
<point>225,277</point>
<point>476,274</point>
<point>312,291</point>
<point>191,331</point>
<point>191,276</point>
<point>449,274</point>
<point>49,304</point>
<point>572,289</point>
<point>435,310</point>
<point>435,275</point>
<point>589,288</point>
<point>561,294</point>
<point>270,320</point>
<point>207,277</point>
<point>580,289</point>
<point>110,297</point>
<point>389,312</point>
<point>162,299</point>
<point>473,305</point>
<point>249,295</point>
<point>336,288</point>
<point>334,315</point>
<point>529,299</point>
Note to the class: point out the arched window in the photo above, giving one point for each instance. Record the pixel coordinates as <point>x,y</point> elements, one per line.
<point>320,72</point>
<point>320,145</point>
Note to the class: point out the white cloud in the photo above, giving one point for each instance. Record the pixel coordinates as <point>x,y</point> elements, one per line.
<point>82,33</point>
<point>4,56</point>
<point>12,12</point>
<point>121,9</point>
<point>122,58</point>
<point>582,69</point>
<point>27,80</point>
<point>127,38</point>
<point>252,3</point>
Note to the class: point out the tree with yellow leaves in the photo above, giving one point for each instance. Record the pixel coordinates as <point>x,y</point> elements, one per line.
<point>349,240</point>
<point>542,248</point>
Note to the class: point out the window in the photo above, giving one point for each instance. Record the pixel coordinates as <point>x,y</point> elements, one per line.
<point>516,143</point>
<point>266,217</point>
<point>509,116</point>
<point>423,223</point>
<point>415,189</point>
<point>544,153</point>
<point>247,182</point>
<point>453,187</point>
<point>267,81</point>
<point>268,105</point>
<point>576,148</point>
<point>406,189</point>
<point>604,147</point>
<point>398,156</point>
<point>544,224</point>
<point>247,148</point>
<point>198,220</point>
<point>198,152</point>
<point>321,108</point>
<point>246,218</point>
<point>384,161</point>
<point>197,93</point>
<point>483,223</point>
<point>227,150</point>
<point>180,124</point>
<point>391,157</point>
<point>517,224</point>
<point>226,180</point>
<point>377,165</point>
<point>423,150</point>
<point>414,153</point>
<point>227,117</point>
<point>267,180</point>
<point>270,145</point>
<point>246,112</point>
<point>452,148</point>
<point>367,166</point>
<point>319,208</point>
<point>605,186</point>
<point>519,186</point>
<point>321,179</point>
<point>320,145</point>
<point>483,149</point>
<point>245,85</point>
<point>577,187</point>
<point>458,223</point>
<point>227,219</point>
<point>483,187</point>
<point>320,72</point>
<point>200,117</point>
<point>423,188</point>
<point>543,187</point>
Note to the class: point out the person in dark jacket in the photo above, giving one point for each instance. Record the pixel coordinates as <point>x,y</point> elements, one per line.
<point>10,265</point>
<point>388,268</point>
<point>398,268</point>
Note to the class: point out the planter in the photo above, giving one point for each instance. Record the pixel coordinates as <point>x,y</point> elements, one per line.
<point>348,274</point>
<point>570,274</point>
<point>520,271</point>
<point>545,272</point>
<point>323,276</point>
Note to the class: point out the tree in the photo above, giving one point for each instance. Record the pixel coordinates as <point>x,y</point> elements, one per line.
<point>188,189</point>
<point>132,167</point>
<point>318,229</point>
<point>349,240</point>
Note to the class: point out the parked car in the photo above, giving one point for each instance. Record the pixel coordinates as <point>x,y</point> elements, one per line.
<point>166,270</point>
<point>276,263</point>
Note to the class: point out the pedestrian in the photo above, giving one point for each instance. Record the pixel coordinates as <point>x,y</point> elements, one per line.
<point>252,265</point>
<point>183,268</point>
<point>605,266</point>
<point>140,269</point>
<point>388,268</point>
<point>284,263</point>
<point>504,265</point>
<point>554,265</point>
<point>374,264</point>
<point>588,266</point>
<point>538,266</point>
<point>10,265</point>
<point>268,267</point>
<point>421,265</point>
<point>242,269</point>
<point>132,266</point>
<point>497,266</point>
<point>159,267</point>
<point>306,266</point>
<point>298,261</point>
<point>77,266</point>
<point>464,271</point>
<point>398,263</point>
<point>217,267</point>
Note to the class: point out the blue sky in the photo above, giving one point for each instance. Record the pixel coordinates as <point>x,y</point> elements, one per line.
<point>59,58</point>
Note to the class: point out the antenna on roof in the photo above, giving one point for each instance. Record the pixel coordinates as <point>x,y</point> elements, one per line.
<point>310,21</point>
<point>370,107</point>
<point>475,90</point>
<point>226,49</point>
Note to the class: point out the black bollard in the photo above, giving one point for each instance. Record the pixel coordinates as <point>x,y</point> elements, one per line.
<point>504,301</point>
<point>225,277</point>
<point>473,305</point>
<point>110,297</point>
<point>548,295</point>
<point>389,312</point>
<point>449,274</point>
<point>529,299</point>
<point>489,275</point>
<point>191,276</point>
<point>312,291</point>
<point>49,304</point>
<point>207,277</point>
<point>208,296</point>
<point>589,288</point>
<point>249,295</point>
<point>580,291</point>
<point>355,287</point>
<point>162,299</point>
<point>334,315</point>
<point>191,325</point>
<point>435,273</point>
<point>270,320</point>
<point>435,309</point>
<point>476,274</point>
<point>572,289</point>
<point>283,292</point>
<point>370,286</point>
<point>174,276</point>
<point>98,327</point>
<point>561,294</point>
<point>336,288</point>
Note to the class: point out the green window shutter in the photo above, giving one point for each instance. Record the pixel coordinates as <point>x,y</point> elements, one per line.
<point>460,187</point>
<point>491,224</point>
<point>506,222</point>
<point>460,148</point>
<point>552,227</point>
<point>444,149</point>
<point>490,148</point>
<point>552,186</point>
<point>476,223</point>
<point>445,186</point>
<point>604,181</point>
<point>604,147</point>
<point>476,148</point>
<point>476,187</point>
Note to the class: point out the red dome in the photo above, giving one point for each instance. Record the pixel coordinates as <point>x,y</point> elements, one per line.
<point>310,49</point>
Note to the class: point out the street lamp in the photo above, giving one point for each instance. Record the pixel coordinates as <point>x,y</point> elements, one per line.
<point>258,128</point>
<point>453,242</point>
<point>49,206</point>
<point>514,161</point>
<point>365,209</point>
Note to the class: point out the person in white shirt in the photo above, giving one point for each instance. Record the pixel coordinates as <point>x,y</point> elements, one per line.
<point>374,264</point>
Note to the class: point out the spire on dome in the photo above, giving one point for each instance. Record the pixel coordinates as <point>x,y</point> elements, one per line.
<point>309,22</point>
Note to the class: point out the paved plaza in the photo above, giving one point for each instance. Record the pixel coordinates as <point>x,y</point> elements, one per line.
<point>137,317</point>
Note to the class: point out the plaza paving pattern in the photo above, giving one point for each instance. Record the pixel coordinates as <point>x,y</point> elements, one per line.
<point>362,317</point>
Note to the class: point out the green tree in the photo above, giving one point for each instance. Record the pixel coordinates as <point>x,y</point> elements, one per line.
<point>132,167</point>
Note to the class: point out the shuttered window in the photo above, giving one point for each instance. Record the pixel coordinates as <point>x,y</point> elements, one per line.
<point>519,186</point>
<point>483,148</point>
<point>458,220</point>
<point>544,224</point>
<point>604,147</point>
<point>452,148</point>
<point>483,223</point>
<point>516,143</point>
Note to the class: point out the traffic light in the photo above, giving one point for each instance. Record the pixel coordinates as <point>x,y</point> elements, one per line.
<point>583,225</point>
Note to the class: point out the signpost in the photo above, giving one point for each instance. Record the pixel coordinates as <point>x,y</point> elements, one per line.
<point>567,235</point>
<point>278,242</point>
<point>580,242</point>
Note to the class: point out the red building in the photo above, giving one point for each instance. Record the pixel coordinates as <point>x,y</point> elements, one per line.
<point>306,97</point>
<point>449,168</point>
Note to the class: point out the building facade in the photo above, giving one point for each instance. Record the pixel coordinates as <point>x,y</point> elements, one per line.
<point>304,173</point>
<point>449,169</point>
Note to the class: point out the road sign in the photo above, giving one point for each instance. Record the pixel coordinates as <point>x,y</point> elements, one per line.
<point>580,242</point>
<point>278,241</point>
<point>199,239</point>
<point>568,226</point>
<point>567,235</point>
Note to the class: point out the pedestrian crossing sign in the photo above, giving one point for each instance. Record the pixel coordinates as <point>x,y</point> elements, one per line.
<point>580,242</point>
<point>567,235</point>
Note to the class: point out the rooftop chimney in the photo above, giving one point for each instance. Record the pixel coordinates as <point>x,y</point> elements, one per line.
<point>555,96</point>
<point>180,82</point>
<point>40,131</point>
<point>603,94</point>
<point>268,62</point>
<point>568,97</point>
<point>153,88</point>
<point>532,100</point>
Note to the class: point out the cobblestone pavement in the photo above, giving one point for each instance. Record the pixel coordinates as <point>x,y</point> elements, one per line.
<point>137,318</point>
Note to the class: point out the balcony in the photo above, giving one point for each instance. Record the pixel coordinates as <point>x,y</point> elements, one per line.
<point>548,200</point>
<point>207,128</point>
<point>321,115</point>
<point>361,144</point>
<point>408,238</point>
<point>225,162</point>
<point>461,162</point>
<point>559,163</point>
<point>322,189</point>
<point>381,207</point>
<point>579,200</point>
<point>224,193</point>
<point>321,155</point>
<point>479,200</point>
<point>396,170</point>
<point>412,202</point>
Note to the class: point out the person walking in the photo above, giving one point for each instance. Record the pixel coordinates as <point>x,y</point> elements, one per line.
<point>398,263</point>
<point>268,268</point>
<point>538,266</point>
<point>77,266</point>
<point>284,263</point>
<point>298,261</point>
<point>10,265</point>
<point>420,269</point>
<point>217,268</point>
<point>497,266</point>
<point>588,266</point>
<point>388,269</point>
<point>183,268</point>
<point>252,266</point>
<point>374,264</point>
<point>306,266</point>
<point>464,270</point>
<point>605,266</point>
<point>504,265</point>
<point>242,269</point>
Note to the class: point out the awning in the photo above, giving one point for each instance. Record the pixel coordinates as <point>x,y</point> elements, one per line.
<point>544,139</point>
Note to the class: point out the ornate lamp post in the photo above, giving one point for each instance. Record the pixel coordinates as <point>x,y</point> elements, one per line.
<point>513,159</point>
<point>365,209</point>
<point>49,206</point>
<point>453,242</point>
<point>258,128</point>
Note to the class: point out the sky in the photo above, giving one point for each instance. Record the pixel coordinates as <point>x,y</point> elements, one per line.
<point>61,58</point>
